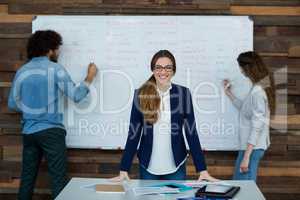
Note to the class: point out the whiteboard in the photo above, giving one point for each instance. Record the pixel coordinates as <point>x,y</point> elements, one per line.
<point>205,48</point>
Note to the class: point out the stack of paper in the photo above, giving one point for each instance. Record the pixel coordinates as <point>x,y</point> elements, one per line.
<point>199,184</point>
<point>154,190</point>
<point>195,184</point>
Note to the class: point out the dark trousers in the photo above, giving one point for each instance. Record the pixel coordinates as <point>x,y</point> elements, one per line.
<point>180,174</point>
<point>51,144</point>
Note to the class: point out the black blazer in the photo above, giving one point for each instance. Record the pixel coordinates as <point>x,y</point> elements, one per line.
<point>182,115</point>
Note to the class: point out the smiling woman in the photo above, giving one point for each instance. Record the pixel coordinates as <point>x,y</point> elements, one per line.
<point>163,66</point>
<point>159,112</point>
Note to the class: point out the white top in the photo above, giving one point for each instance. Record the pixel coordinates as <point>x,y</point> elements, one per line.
<point>162,159</point>
<point>254,119</point>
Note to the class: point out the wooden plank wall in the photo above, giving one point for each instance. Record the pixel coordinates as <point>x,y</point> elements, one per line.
<point>276,38</point>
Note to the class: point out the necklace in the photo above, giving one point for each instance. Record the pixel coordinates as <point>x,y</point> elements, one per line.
<point>162,96</point>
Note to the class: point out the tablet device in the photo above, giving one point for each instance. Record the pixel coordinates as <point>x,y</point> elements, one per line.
<point>221,189</point>
<point>217,191</point>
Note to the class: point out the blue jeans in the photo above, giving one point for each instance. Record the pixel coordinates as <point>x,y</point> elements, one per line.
<point>180,174</point>
<point>255,157</point>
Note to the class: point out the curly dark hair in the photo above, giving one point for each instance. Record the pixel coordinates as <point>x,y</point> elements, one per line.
<point>41,42</point>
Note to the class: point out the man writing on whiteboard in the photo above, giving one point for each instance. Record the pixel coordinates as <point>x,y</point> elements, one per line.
<point>35,94</point>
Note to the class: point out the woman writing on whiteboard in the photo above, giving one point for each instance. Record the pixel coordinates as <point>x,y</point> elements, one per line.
<point>254,115</point>
<point>159,112</point>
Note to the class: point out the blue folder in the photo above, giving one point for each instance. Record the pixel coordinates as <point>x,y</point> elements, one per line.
<point>181,187</point>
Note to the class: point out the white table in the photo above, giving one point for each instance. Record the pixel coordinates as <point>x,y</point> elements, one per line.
<point>76,189</point>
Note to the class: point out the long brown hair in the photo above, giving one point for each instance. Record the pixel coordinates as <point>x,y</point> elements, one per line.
<point>255,69</point>
<point>148,96</point>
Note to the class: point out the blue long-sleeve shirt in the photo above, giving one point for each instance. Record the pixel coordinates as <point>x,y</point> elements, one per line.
<point>36,91</point>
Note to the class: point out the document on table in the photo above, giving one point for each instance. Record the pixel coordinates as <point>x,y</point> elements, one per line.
<point>105,188</point>
<point>197,184</point>
<point>154,190</point>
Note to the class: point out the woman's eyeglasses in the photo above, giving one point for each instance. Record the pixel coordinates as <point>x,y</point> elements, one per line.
<point>160,68</point>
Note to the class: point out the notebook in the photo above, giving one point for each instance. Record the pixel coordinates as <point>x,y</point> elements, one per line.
<point>109,188</point>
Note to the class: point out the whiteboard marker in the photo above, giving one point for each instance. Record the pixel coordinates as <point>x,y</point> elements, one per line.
<point>227,85</point>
